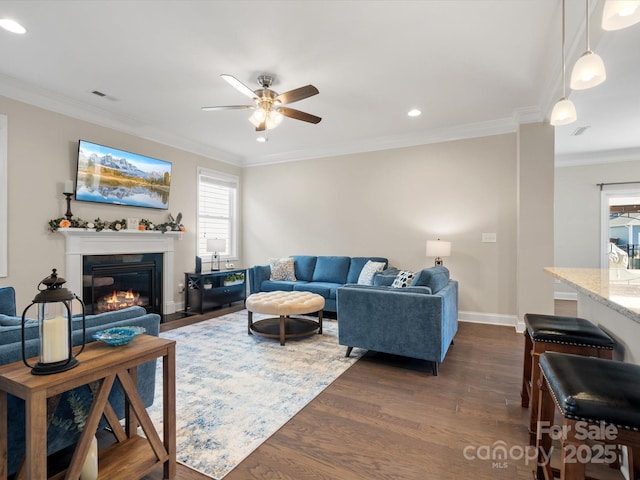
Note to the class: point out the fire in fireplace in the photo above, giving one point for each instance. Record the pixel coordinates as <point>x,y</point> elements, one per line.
<point>112,282</point>
<point>120,299</point>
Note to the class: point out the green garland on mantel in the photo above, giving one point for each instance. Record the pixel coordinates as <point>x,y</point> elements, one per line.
<point>116,225</point>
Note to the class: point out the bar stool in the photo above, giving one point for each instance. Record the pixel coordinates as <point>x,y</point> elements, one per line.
<point>552,333</point>
<point>599,402</point>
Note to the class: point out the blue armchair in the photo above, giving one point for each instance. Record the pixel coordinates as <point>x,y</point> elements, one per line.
<point>419,321</point>
<point>7,301</point>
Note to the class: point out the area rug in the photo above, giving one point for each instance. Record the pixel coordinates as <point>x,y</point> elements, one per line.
<point>234,390</point>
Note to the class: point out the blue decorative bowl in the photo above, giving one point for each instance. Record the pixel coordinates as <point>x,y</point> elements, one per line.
<point>118,335</point>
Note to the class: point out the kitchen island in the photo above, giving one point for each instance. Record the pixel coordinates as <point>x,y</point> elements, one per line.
<point>610,298</point>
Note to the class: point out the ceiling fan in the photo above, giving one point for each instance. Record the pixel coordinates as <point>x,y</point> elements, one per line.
<point>268,104</point>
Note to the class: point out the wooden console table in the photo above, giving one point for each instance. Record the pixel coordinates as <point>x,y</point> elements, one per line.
<point>132,456</point>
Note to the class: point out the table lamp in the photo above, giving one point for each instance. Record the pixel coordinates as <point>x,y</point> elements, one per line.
<point>438,248</point>
<point>216,245</point>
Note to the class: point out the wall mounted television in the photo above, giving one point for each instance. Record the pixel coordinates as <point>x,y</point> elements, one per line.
<point>109,175</point>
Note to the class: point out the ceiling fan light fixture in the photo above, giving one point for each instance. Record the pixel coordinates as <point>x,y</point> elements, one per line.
<point>268,106</point>
<point>563,113</point>
<point>619,14</point>
<point>274,118</point>
<point>258,117</point>
<point>238,85</point>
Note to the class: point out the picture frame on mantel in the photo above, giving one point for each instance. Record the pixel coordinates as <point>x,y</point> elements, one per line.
<point>4,197</point>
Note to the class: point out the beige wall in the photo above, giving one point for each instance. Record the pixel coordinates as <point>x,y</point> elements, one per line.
<point>42,150</point>
<point>388,204</point>
<point>577,212</point>
<point>535,220</point>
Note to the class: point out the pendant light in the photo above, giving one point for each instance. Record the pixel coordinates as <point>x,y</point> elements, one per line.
<point>564,111</point>
<point>589,70</point>
<point>619,14</point>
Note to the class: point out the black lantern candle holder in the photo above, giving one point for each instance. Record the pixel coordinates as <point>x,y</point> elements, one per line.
<point>54,327</point>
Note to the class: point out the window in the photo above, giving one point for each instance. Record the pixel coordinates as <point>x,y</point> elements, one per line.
<point>217,211</point>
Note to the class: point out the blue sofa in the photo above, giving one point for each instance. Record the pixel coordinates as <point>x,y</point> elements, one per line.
<point>61,432</point>
<point>417,321</point>
<point>316,274</point>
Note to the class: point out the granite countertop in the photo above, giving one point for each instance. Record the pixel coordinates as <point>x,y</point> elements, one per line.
<point>618,289</point>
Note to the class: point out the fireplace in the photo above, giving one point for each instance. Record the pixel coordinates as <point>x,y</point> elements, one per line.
<point>80,242</point>
<point>112,282</point>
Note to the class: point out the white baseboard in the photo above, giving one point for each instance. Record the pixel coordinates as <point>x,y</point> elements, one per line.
<point>566,296</point>
<point>172,307</point>
<point>492,319</point>
<point>178,306</point>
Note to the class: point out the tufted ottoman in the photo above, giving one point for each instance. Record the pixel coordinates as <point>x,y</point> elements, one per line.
<point>284,304</point>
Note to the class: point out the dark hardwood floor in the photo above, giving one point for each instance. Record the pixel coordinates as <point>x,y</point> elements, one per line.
<point>388,418</point>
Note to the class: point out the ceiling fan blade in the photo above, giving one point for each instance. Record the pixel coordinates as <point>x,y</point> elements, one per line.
<point>298,115</point>
<point>297,94</point>
<point>238,85</point>
<point>227,107</point>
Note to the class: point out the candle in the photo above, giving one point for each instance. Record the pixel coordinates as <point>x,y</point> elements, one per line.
<point>68,186</point>
<point>55,340</point>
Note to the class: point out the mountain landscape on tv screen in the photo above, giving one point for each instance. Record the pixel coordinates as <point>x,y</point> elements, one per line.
<point>123,165</point>
<point>110,178</point>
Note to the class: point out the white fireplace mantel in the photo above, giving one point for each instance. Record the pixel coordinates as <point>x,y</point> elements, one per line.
<point>80,242</point>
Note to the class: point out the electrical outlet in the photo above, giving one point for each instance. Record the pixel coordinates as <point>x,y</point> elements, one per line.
<point>489,238</point>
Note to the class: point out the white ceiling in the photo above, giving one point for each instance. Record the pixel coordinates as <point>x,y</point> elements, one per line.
<point>474,67</point>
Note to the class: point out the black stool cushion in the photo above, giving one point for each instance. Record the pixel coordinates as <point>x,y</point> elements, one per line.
<point>594,389</point>
<point>567,330</point>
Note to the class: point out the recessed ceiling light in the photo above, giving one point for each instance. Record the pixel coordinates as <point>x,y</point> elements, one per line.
<point>12,26</point>
<point>414,113</point>
<point>261,139</point>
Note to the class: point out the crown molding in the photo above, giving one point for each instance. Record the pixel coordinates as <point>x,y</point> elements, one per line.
<point>598,157</point>
<point>525,115</point>
<point>39,97</point>
<point>438,135</point>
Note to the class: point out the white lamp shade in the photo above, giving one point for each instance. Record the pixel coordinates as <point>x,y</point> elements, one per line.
<point>274,118</point>
<point>258,117</point>
<point>216,245</point>
<point>619,14</point>
<point>438,248</point>
<point>563,113</point>
<point>588,71</point>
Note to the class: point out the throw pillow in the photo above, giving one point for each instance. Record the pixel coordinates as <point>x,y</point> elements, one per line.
<point>282,269</point>
<point>403,279</point>
<point>367,272</point>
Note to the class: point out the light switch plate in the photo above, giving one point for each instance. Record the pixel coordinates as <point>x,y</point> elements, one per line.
<point>489,238</point>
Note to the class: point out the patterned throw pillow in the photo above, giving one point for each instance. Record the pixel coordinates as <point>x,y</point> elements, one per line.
<point>282,269</point>
<point>367,272</point>
<point>403,279</point>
